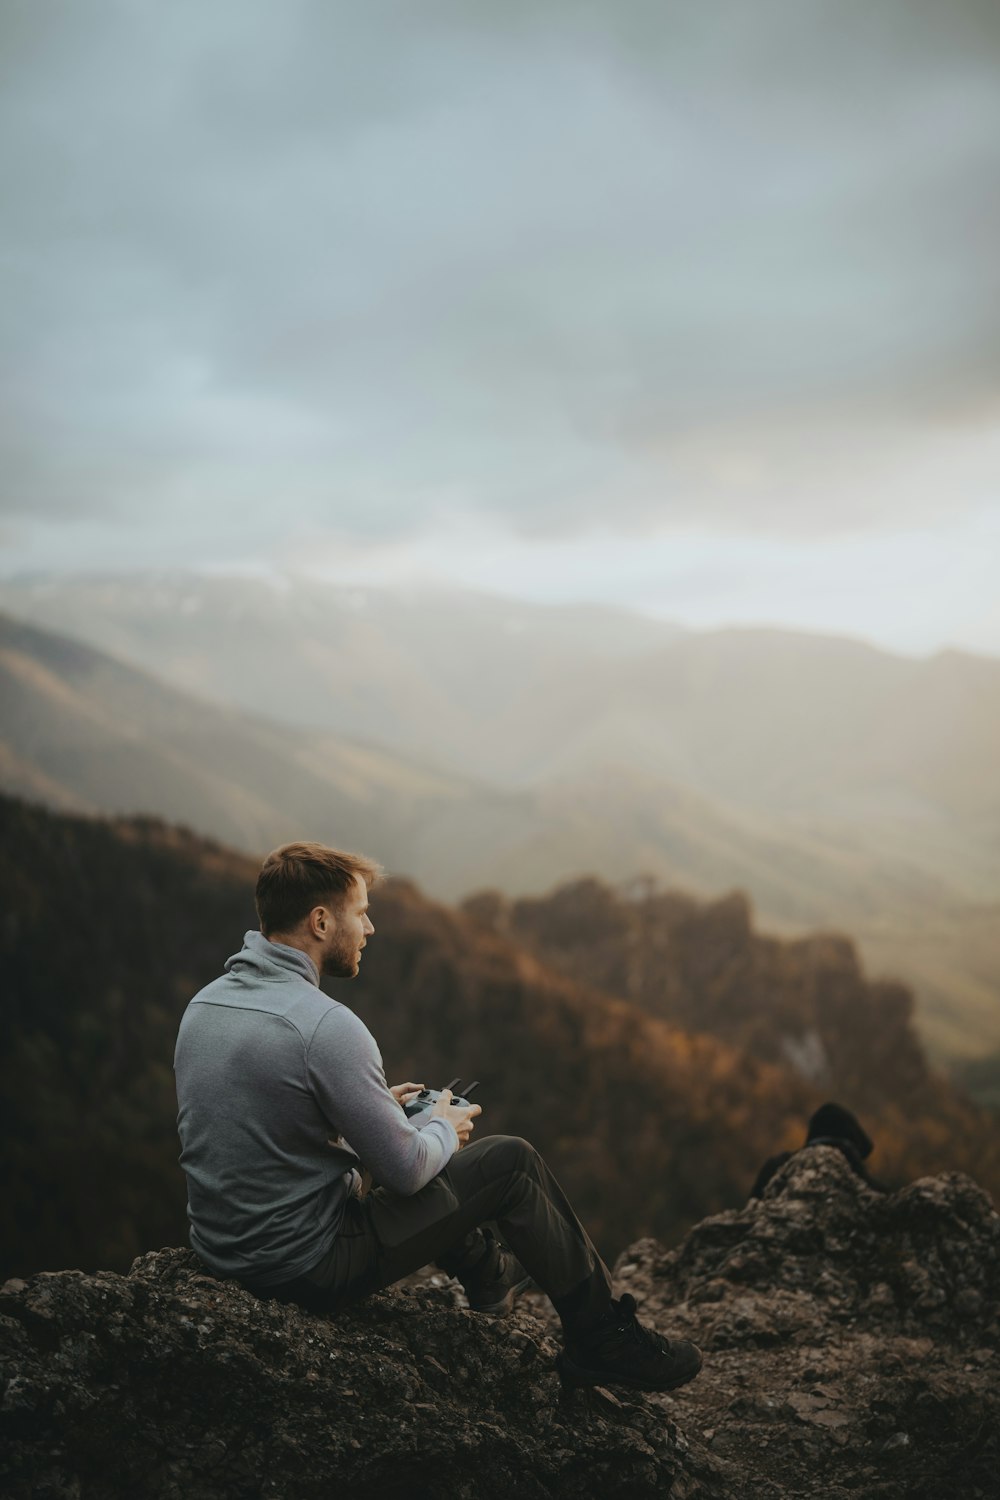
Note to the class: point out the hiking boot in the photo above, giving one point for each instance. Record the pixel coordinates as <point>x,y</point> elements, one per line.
<point>493,1285</point>
<point>622,1351</point>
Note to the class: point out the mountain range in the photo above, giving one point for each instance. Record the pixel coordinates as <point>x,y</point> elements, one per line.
<point>475,742</point>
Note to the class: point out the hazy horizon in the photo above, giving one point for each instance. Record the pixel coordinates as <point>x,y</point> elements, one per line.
<point>689,311</point>
<point>363,581</point>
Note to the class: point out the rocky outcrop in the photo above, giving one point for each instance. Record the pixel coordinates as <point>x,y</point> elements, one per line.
<point>852,1340</point>
<point>167,1383</point>
<point>852,1345</point>
<point>703,966</point>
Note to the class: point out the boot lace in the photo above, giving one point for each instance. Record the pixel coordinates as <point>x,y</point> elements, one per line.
<point>646,1339</point>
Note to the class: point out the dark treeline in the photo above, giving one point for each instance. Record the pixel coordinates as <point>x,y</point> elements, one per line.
<point>107,930</point>
<point>109,927</point>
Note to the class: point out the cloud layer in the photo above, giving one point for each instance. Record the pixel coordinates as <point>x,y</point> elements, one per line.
<point>321,267</point>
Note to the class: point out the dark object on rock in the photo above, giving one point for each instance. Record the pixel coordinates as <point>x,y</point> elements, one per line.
<point>622,1351</point>
<point>831,1125</point>
<point>852,1343</point>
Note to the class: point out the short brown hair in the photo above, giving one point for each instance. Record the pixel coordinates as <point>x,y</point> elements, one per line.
<point>297,877</point>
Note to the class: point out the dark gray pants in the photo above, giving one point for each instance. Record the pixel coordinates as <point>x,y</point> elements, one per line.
<point>500,1179</point>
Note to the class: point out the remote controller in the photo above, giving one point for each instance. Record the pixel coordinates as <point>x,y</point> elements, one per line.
<point>419,1109</point>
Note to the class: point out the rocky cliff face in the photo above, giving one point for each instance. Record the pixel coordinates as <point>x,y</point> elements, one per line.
<point>703,966</point>
<point>852,1347</point>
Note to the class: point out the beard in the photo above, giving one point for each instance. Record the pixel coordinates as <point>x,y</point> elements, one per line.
<point>341,961</point>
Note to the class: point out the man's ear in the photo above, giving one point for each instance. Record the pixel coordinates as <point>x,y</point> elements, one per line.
<point>322,920</point>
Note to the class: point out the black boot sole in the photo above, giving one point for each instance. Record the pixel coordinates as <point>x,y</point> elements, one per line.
<point>579,1375</point>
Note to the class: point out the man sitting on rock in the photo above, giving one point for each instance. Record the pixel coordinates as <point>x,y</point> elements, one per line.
<point>268,1068</point>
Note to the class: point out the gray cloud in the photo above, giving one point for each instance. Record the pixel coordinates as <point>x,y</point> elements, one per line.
<point>358,263</point>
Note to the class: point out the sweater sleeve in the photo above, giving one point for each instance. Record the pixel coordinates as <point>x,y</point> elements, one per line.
<point>344,1070</point>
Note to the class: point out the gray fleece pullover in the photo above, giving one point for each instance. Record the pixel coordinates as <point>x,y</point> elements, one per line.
<point>270,1072</point>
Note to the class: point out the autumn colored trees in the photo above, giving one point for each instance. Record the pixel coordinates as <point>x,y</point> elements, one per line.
<point>640,1049</point>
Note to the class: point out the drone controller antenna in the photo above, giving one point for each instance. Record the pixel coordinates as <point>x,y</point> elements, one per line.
<point>468,1089</point>
<point>453,1085</point>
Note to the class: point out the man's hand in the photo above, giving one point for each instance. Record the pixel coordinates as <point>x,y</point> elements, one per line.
<point>404,1092</point>
<point>462,1119</point>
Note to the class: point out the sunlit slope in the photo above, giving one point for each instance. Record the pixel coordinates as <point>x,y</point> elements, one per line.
<point>741,759</point>
<point>835,732</point>
<point>435,673</point>
<point>765,716</point>
<point>952,960</point>
<point>837,737</point>
<point>85,730</point>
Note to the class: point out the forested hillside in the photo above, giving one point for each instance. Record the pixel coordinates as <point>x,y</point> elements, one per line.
<point>701,965</point>
<point>110,926</point>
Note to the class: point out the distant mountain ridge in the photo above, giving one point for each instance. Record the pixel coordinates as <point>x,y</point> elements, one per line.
<point>764,720</point>
<point>839,785</point>
<point>86,731</point>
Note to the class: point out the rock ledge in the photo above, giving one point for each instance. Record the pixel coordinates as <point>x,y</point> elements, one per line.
<point>852,1348</point>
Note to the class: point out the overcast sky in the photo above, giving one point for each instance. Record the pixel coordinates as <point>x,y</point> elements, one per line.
<point>692,307</point>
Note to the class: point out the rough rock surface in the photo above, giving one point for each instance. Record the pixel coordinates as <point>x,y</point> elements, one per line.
<point>851,1339</point>
<point>852,1348</point>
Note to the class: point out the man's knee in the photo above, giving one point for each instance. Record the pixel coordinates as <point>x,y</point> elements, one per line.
<point>513,1154</point>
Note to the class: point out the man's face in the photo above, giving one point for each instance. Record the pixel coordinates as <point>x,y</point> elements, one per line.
<point>350,927</point>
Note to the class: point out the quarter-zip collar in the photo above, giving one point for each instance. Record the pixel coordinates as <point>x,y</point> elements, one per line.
<point>266,960</point>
